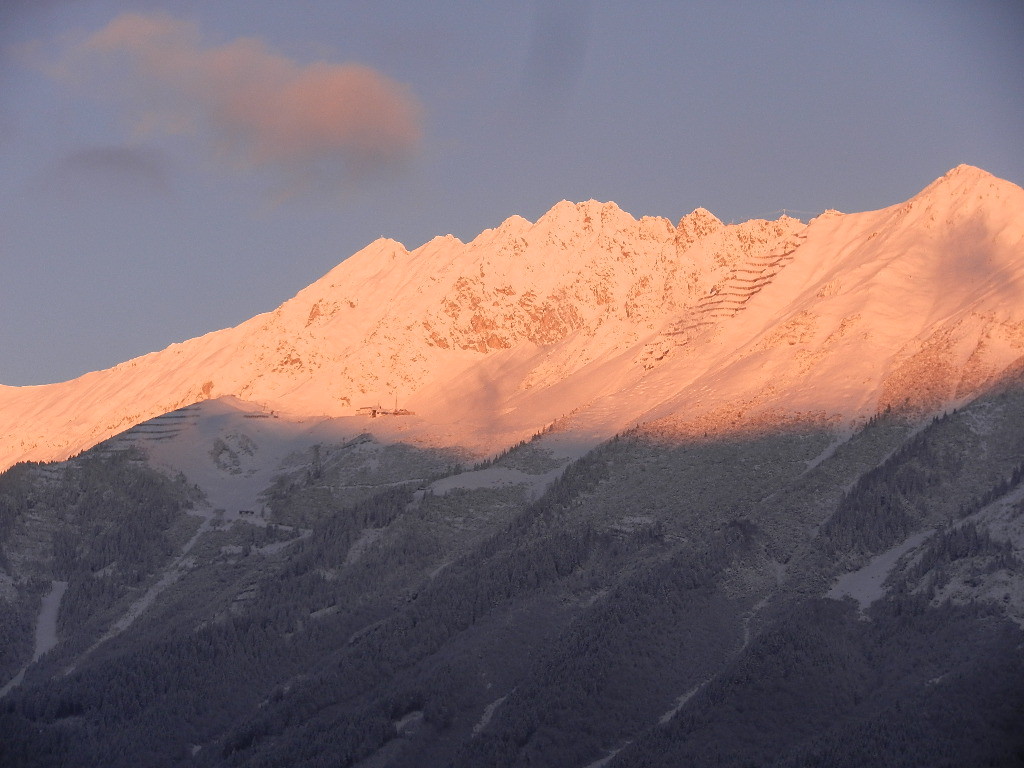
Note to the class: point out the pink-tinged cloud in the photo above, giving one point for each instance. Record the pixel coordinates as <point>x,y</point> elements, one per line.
<point>261,109</point>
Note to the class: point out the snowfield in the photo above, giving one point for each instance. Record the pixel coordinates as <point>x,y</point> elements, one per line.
<point>593,321</point>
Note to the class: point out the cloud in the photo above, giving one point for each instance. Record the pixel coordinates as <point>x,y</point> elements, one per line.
<point>320,123</point>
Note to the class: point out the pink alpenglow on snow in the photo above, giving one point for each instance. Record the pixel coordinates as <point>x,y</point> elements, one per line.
<point>593,320</point>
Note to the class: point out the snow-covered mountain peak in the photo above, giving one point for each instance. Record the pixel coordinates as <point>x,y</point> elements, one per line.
<point>965,174</point>
<point>367,263</point>
<point>512,227</point>
<point>568,223</point>
<point>700,223</point>
<point>591,310</point>
<point>962,193</point>
<point>438,242</point>
<point>828,213</point>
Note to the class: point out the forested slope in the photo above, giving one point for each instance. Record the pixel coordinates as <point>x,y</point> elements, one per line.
<point>669,599</point>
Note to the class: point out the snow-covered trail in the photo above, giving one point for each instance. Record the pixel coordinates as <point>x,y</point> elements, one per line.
<point>46,631</point>
<point>603,761</point>
<point>496,477</point>
<point>171,574</point>
<point>681,701</point>
<point>181,565</point>
<point>488,714</point>
<point>842,437</point>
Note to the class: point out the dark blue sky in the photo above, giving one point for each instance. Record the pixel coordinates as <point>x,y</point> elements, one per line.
<point>171,168</point>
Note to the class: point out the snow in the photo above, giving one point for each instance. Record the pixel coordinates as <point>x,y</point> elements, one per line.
<point>1003,519</point>
<point>46,631</point>
<point>262,446</point>
<point>14,682</point>
<point>866,585</point>
<point>592,319</point>
<point>488,714</point>
<point>360,545</point>
<point>178,567</point>
<point>46,624</point>
<point>600,763</point>
<point>829,451</point>
<point>409,722</point>
<point>277,547</point>
<point>495,477</point>
<point>680,703</point>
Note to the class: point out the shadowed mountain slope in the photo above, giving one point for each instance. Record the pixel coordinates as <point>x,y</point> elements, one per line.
<point>755,497</point>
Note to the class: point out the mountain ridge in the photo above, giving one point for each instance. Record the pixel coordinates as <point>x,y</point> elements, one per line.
<point>802,544</point>
<point>492,339</point>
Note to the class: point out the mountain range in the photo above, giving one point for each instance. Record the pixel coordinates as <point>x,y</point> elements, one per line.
<point>586,491</point>
<point>591,311</point>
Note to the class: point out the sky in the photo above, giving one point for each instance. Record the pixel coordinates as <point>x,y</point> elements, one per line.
<point>172,167</point>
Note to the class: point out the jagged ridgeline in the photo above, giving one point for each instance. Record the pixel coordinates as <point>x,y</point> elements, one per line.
<point>593,316</point>
<point>727,497</point>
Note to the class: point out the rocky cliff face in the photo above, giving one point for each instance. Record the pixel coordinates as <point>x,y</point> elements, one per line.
<point>591,311</point>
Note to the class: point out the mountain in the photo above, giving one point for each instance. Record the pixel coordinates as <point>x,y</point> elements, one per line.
<point>591,311</point>
<point>432,328</point>
<point>590,491</point>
